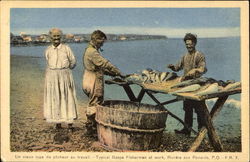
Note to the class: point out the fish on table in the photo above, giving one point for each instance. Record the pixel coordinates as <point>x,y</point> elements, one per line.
<point>150,76</point>
<point>163,75</point>
<point>169,76</point>
<point>232,86</point>
<point>135,78</point>
<point>190,88</point>
<point>154,76</point>
<point>201,80</point>
<point>213,88</point>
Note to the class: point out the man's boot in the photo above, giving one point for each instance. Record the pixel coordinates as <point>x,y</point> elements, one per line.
<point>70,128</point>
<point>91,126</point>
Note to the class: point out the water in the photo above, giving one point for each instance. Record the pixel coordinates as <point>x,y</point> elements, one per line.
<point>222,57</point>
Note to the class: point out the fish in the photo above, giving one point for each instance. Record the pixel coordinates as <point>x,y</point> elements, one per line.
<point>171,76</point>
<point>157,77</point>
<point>134,78</point>
<point>193,81</point>
<point>151,75</point>
<point>163,76</point>
<point>145,72</point>
<point>189,88</point>
<point>232,86</point>
<point>213,88</point>
<point>224,84</point>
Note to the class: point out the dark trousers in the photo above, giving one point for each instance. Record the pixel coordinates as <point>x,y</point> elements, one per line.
<point>189,106</point>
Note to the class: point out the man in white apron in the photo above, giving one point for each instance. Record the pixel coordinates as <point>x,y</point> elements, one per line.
<point>95,67</point>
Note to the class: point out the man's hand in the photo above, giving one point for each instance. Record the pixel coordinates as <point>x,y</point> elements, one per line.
<point>182,78</point>
<point>185,77</point>
<point>171,66</point>
<point>190,75</point>
<point>194,73</point>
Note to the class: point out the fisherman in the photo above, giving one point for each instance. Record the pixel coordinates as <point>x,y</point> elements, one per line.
<point>194,65</point>
<point>59,90</point>
<point>95,67</point>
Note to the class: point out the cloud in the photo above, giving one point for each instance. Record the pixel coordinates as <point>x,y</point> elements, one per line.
<point>169,32</point>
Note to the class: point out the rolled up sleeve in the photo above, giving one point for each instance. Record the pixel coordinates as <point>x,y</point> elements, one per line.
<point>103,63</point>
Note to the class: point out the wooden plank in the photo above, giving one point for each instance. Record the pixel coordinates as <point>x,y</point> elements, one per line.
<point>215,110</point>
<point>129,92</point>
<point>212,135</point>
<point>218,106</point>
<point>140,96</point>
<point>171,101</point>
<point>121,83</point>
<point>153,97</point>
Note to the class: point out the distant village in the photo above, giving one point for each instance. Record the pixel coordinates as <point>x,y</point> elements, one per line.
<point>25,39</point>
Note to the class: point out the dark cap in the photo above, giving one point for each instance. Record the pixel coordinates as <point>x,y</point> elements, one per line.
<point>190,36</point>
<point>97,34</point>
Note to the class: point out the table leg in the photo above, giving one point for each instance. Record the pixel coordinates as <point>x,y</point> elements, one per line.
<point>129,92</point>
<point>141,94</point>
<point>212,135</point>
<point>215,110</point>
<point>171,101</point>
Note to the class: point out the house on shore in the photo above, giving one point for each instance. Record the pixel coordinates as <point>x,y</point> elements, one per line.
<point>122,38</point>
<point>17,40</point>
<point>26,38</point>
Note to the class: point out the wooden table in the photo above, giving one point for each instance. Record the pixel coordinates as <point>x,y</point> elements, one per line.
<point>151,89</point>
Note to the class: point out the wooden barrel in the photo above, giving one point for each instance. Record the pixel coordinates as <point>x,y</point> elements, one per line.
<point>125,125</point>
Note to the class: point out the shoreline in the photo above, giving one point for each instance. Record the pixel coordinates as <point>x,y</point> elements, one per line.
<point>29,132</point>
<point>31,44</point>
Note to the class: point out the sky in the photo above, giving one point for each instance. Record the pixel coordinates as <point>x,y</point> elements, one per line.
<point>172,22</point>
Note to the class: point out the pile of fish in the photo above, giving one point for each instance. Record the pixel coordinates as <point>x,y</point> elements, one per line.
<point>150,76</point>
<point>194,85</point>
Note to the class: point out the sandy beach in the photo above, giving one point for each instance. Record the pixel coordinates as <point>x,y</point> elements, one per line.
<point>30,132</point>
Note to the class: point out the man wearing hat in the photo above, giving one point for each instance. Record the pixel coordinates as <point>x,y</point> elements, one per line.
<point>95,67</point>
<point>194,65</point>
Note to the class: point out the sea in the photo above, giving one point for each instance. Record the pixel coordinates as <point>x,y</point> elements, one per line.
<point>223,59</point>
